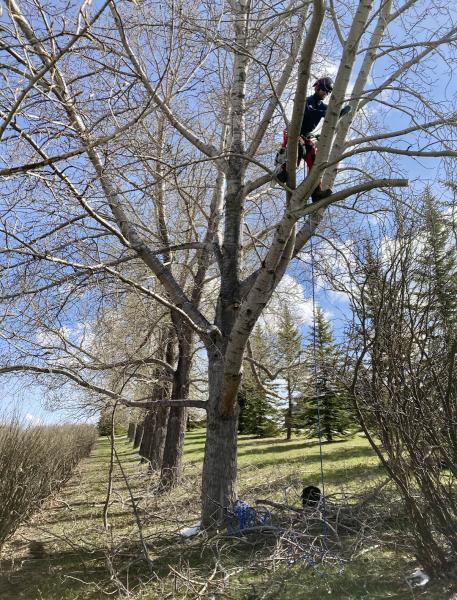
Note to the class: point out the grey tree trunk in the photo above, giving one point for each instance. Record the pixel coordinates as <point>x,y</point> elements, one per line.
<point>131,431</point>
<point>157,442</point>
<point>148,433</point>
<point>171,471</point>
<point>289,410</point>
<point>138,435</point>
<point>219,466</point>
<point>155,423</point>
<point>174,444</point>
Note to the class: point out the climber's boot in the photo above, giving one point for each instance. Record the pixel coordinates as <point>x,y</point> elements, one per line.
<point>320,194</point>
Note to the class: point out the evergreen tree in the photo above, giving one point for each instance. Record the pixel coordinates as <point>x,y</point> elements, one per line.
<point>258,415</point>
<point>437,274</point>
<point>437,305</point>
<point>335,415</point>
<point>289,346</point>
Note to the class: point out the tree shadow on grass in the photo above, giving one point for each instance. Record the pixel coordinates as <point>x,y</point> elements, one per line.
<point>350,477</point>
<point>331,451</point>
<point>65,575</point>
<point>96,514</point>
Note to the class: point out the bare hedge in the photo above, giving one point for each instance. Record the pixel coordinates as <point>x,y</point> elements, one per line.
<point>34,462</point>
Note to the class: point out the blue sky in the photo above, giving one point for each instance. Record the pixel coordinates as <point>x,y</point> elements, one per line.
<point>419,171</point>
<point>27,402</point>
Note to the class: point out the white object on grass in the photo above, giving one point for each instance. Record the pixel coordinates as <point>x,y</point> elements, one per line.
<point>188,532</point>
<point>418,578</point>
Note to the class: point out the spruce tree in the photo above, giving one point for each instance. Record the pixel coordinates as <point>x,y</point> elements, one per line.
<point>257,416</point>
<point>289,348</point>
<point>256,412</point>
<point>437,305</point>
<point>326,407</point>
<point>437,274</point>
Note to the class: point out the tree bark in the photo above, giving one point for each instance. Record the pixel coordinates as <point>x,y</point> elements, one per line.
<point>131,431</point>
<point>171,471</point>
<point>219,466</point>
<point>174,444</point>
<point>148,433</point>
<point>154,445</point>
<point>138,435</point>
<point>289,411</point>
<point>157,445</point>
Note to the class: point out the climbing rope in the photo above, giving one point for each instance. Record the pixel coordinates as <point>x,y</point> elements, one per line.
<point>317,397</point>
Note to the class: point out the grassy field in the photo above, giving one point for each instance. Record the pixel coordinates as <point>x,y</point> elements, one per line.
<point>65,553</point>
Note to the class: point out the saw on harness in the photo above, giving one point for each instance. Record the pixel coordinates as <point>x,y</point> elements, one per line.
<point>306,150</point>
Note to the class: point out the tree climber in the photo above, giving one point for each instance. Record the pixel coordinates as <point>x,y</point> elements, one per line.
<point>315,110</point>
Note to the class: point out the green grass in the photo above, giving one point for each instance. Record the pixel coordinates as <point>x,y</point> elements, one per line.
<point>66,554</point>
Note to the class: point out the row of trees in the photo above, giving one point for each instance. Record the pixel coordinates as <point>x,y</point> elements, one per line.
<point>292,383</point>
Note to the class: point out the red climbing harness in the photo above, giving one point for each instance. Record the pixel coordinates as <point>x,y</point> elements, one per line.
<point>306,151</point>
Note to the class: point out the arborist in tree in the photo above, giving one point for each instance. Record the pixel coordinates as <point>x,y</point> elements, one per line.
<point>315,109</point>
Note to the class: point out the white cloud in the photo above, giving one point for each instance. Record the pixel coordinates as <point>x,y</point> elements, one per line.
<point>289,293</point>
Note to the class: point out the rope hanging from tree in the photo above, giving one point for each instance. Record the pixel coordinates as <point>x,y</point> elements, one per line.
<point>316,394</point>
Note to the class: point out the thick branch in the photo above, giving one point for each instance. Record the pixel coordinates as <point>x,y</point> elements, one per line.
<point>175,402</point>
<point>278,91</point>
<point>304,70</point>
<point>315,212</point>
<point>341,84</point>
<point>356,189</point>
<point>362,77</point>
<point>399,132</point>
<point>390,150</point>
<point>60,371</point>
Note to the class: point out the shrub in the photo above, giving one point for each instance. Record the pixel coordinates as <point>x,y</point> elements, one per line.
<point>105,422</point>
<point>34,462</point>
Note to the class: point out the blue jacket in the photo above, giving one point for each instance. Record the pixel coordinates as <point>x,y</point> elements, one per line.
<point>315,110</point>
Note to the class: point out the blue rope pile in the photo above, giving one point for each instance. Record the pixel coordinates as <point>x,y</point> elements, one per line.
<point>242,516</point>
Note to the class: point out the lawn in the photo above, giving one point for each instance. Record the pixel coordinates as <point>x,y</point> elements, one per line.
<point>65,553</point>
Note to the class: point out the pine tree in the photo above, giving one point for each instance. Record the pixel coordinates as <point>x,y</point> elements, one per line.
<point>256,413</point>
<point>437,304</point>
<point>437,273</point>
<point>335,415</point>
<point>289,354</point>
<point>258,416</point>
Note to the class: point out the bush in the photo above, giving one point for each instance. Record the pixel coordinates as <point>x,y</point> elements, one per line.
<point>105,422</point>
<point>34,462</point>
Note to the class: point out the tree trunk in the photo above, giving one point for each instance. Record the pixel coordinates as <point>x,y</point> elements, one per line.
<point>289,411</point>
<point>148,434</point>
<point>173,451</point>
<point>174,444</point>
<point>131,431</point>
<point>219,466</point>
<point>162,391</point>
<point>157,444</point>
<point>138,435</point>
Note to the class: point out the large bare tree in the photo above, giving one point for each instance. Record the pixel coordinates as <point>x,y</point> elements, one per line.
<point>143,134</point>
